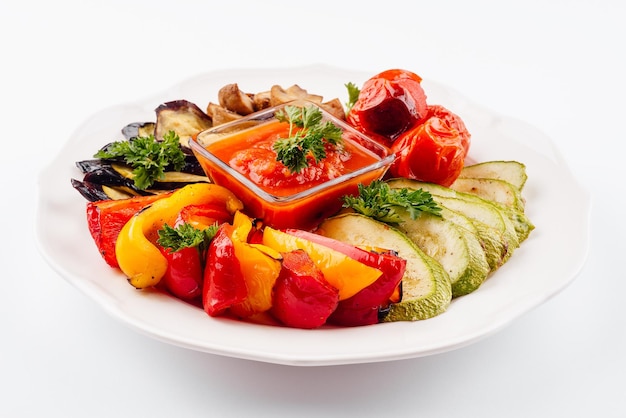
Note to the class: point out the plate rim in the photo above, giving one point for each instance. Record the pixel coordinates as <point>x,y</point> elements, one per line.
<point>300,359</point>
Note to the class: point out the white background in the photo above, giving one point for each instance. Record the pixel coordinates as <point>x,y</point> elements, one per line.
<point>555,64</point>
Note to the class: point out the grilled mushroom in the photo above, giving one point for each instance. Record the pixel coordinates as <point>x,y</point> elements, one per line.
<point>221,115</point>
<point>335,108</point>
<point>262,100</point>
<point>279,95</point>
<point>235,100</point>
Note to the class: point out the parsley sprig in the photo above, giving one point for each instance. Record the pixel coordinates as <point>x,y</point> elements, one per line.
<point>307,137</point>
<point>353,95</point>
<point>379,201</point>
<point>148,157</point>
<point>186,235</point>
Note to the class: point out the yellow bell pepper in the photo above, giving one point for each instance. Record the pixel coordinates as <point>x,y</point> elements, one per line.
<point>346,274</point>
<point>260,267</point>
<point>138,256</point>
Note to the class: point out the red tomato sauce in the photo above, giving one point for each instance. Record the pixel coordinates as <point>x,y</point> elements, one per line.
<point>251,153</point>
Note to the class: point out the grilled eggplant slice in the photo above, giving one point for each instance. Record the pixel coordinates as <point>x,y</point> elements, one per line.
<point>136,129</point>
<point>183,117</point>
<point>94,192</point>
<point>90,191</point>
<point>170,181</point>
<point>107,175</point>
<point>110,179</point>
<point>192,165</point>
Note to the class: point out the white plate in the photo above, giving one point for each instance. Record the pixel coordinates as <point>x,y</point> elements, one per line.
<point>547,262</point>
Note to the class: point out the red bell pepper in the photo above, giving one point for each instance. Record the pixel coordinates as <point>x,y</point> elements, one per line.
<point>367,306</point>
<point>202,216</point>
<point>345,273</point>
<point>364,307</point>
<point>224,284</point>
<point>105,219</point>
<point>183,277</point>
<point>260,267</point>
<point>136,250</point>
<point>302,297</point>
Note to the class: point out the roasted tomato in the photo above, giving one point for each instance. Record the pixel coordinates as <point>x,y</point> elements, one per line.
<point>453,121</point>
<point>390,103</point>
<point>434,151</point>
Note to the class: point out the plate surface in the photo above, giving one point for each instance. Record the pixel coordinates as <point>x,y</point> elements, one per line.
<point>546,262</point>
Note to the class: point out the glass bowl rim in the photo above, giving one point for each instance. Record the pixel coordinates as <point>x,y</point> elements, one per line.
<point>386,160</point>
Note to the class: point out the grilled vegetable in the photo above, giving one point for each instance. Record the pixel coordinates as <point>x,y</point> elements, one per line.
<point>513,172</point>
<point>511,225</point>
<point>426,288</point>
<point>389,103</point>
<point>232,98</point>
<point>148,156</point>
<point>488,237</point>
<point>457,249</point>
<point>514,217</point>
<point>105,179</point>
<point>135,129</point>
<point>368,305</point>
<point>496,190</point>
<point>221,115</point>
<point>345,273</point>
<point>415,213</point>
<point>95,192</point>
<point>105,219</point>
<point>137,255</point>
<point>302,297</point>
<point>183,117</point>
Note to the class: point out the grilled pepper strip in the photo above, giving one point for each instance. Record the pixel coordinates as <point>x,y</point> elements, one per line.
<point>138,256</point>
<point>260,267</point>
<point>106,218</point>
<point>363,308</point>
<point>345,273</point>
<point>224,284</point>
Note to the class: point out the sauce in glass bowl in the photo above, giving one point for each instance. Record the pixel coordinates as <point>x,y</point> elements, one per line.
<point>240,156</point>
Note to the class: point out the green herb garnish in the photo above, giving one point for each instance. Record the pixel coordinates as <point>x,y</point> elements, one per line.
<point>186,236</point>
<point>307,137</point>
<point>353,95</point>
<point>148,157</point>
<point>381,202</point>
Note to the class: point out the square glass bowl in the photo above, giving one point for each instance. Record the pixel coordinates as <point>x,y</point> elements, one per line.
<point>301,206</point>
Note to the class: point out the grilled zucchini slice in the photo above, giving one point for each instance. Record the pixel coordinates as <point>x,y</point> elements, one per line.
<point>426,287</point>
<point>457,248</point>
<point>512,172</point>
